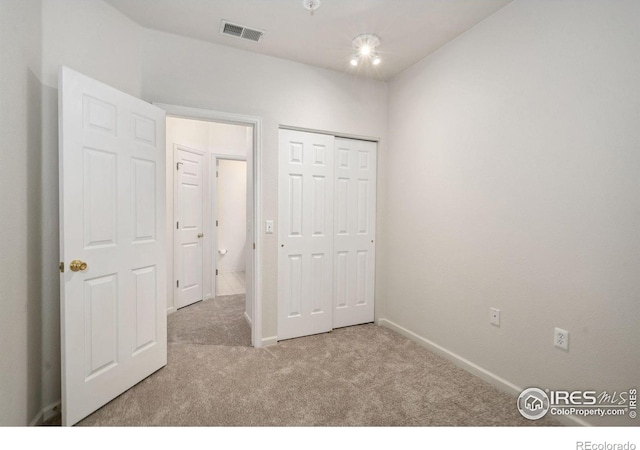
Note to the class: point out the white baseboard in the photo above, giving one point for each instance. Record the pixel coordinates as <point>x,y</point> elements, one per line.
<point>269,341</point>
<point>45,414</point>
<point>499,383</point>
<point>247,318</point>
<point>171,310</point>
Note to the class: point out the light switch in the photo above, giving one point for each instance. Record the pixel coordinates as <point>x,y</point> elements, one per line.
<point>268,226</point>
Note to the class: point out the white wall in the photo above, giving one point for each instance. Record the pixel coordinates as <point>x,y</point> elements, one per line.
<point>213,137</point>
<point>278,91</point>
<point>232,215</point>
<point>513,182</point>
<point>35,38</point>
<point>93,38</point>
<point>227,139</point>
<point>20,224</point>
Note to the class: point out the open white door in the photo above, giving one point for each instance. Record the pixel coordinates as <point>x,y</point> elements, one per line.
<point>112,219</point>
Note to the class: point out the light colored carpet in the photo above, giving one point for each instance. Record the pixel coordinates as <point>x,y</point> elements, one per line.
<point>358,376</point>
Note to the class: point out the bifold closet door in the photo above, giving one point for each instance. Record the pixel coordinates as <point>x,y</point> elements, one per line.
<point>305,231</point>
<point>354,231</point>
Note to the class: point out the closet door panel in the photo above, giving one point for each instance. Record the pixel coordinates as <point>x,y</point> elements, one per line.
<point>354,232</point>
<point>305,234</point>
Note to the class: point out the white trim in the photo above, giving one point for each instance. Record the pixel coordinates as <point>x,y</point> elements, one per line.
<point>46,413</point>
<point>187,112</point>
<point>269,341</point>
<point>499,383</point>
<point>247,318</point>
<point>171,310</point>
<point>256,123</point>
<point>213,217</point>
<point>229,157</point>
<point>330,133</point>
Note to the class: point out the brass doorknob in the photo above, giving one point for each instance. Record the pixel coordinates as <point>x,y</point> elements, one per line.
<point>77,265</point>
<point>200,235</point>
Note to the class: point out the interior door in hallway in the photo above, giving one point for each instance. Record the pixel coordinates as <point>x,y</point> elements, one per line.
<point>112,242</point>
<point>305,229</point>
<point>189,234</point>
<point>354,232</point>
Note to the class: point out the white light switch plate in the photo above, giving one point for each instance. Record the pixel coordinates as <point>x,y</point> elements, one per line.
<point>268,226</point>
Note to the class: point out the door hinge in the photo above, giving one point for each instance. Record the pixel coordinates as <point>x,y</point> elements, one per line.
<point>177,225</point>
<point>178,165</point>
<point>177,283</point>
<point>254,245</point>
<point>217,174</point>
<point>216,271</point>
<point>216,223</point>
<point>61,267</point>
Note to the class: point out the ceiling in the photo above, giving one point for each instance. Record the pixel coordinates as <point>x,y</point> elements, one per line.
<point>408,29</point>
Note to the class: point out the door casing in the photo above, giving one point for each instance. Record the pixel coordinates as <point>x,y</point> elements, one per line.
<point>254,198</point>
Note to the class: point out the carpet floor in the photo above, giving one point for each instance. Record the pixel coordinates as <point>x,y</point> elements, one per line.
<point>364,375</point>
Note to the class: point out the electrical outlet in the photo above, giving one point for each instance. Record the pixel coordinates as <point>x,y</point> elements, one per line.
<point>494,316</point>
<point>561,338</point>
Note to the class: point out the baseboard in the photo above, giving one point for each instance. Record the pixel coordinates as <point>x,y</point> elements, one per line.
<point>248,319</point>
<point>269,341</point>
<point>171,310</point>
<point>499,383</point>
<point>45,414</point>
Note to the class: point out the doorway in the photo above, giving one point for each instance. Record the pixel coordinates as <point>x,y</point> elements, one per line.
<point>231,238</point>
<point>247,130</point>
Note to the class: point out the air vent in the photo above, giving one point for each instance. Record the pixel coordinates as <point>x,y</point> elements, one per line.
<point>239,31</point>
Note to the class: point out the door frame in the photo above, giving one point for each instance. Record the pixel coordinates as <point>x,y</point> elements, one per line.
<point>254,293</point>
<point>205,218</point>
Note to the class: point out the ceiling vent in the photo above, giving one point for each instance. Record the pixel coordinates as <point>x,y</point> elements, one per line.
<point>239,31</point>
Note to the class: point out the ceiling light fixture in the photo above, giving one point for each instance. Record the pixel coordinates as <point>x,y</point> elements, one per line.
<point>311,5</point>
<point>366,46</point>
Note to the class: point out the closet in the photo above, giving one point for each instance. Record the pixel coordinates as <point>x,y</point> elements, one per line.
<point>326,232</point>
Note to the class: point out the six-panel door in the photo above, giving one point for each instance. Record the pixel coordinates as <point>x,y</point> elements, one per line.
<point>305,259</point>
<point>112,207</point>
<point>354,232</point>
<point>189,231</point>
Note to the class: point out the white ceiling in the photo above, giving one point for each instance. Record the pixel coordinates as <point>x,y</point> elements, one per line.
<point>408,29</point>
